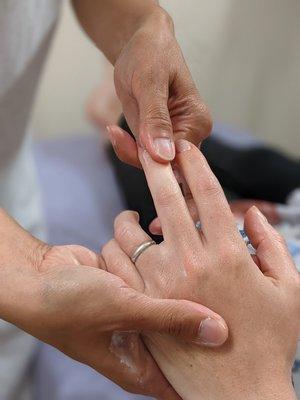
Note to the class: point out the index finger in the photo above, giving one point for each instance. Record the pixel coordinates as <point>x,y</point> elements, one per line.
<point>176,221</point>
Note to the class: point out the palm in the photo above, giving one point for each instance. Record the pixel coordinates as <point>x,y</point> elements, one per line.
<point>120,356</point>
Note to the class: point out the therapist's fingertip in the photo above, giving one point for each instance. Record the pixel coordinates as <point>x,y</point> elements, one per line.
<point>183,145</point>
<point>212,332</point>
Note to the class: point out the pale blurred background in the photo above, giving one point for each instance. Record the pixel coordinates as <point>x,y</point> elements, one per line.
<point>248,76</point>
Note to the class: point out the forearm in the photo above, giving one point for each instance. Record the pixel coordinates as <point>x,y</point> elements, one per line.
<point>20,256</point>
<point>111,23</point>
<point>182,364</point>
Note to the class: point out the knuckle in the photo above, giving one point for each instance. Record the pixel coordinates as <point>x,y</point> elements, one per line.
<point>114,264</point>
<point>210,187</point>
<point>106,248</point>
<point>157,115</point>
<point>230,256</point>
<point>174,328</point>
<point>195,266</point>
<point>165,196</point>
<point>122,219</point>
<point>122,231</point>
<point>192,261</point>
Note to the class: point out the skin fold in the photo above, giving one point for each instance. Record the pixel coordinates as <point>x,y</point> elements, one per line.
<point>259,296</point>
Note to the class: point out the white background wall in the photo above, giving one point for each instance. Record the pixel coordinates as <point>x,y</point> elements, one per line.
<point>217,56</point>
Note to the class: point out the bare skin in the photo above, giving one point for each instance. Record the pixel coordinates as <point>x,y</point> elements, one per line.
<point>71,302</point>
<point>64,296</point>
<point>157,93</point>
<point>260,296</point>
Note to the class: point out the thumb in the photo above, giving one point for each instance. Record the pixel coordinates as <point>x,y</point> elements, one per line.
<point>180,318</point>
<point>155,128</point>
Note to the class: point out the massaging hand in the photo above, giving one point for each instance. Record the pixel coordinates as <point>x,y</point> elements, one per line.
<point>159,98</point>
<point>259,296</point>
<point>64,296</point>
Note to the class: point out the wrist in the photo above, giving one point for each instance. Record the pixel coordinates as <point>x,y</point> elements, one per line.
<point>264,389</point>
<point>192,372</point>
<point>20,258</point>
<point>270,390</point>
<point>155,22</point>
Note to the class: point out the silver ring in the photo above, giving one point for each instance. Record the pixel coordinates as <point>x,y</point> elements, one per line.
<point>198,225</point>
<point>140,249</point>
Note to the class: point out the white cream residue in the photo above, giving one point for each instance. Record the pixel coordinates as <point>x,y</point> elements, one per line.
<point>126,347</point>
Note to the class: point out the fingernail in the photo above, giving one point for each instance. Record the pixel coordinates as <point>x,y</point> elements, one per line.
<point>260,214</point>
<point>164,147</point>
<point>212,332</point>
<point>182,145</point>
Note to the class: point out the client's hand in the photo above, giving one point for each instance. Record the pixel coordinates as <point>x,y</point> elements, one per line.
<point>62,296</point>
<point>259,296</point>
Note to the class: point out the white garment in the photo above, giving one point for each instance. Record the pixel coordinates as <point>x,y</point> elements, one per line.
<point>26,28</point>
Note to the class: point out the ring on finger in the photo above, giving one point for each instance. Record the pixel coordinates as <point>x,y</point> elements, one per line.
<point>140,249</point>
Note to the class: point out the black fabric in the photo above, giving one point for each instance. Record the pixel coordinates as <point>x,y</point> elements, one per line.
<point>259,173</point>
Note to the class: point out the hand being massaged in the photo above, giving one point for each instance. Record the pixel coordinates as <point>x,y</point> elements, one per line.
<point>259,296</point>
<point>64,296</point>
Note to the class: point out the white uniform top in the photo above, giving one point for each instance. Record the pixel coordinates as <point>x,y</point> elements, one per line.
<point>26,27</point>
